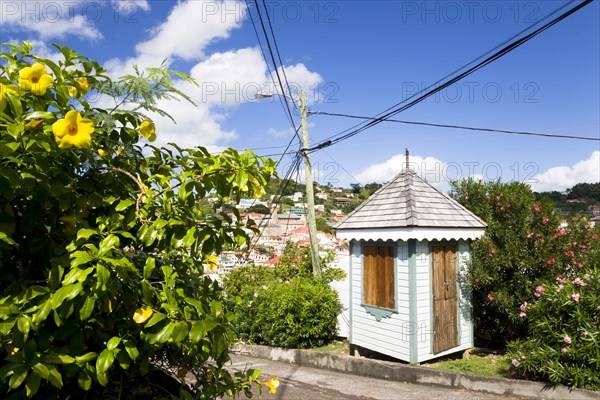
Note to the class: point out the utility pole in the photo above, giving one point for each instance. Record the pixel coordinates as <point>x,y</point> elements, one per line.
<point>310,194</point>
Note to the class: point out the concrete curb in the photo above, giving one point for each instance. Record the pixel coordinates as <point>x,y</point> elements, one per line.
<point>417,375</point>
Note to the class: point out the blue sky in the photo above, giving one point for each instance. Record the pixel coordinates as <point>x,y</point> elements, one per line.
<point>358,57</point>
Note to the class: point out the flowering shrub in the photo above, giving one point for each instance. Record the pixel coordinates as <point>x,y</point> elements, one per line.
<point>103,244</point>
<point>564,331</point>
<point>535,280</point>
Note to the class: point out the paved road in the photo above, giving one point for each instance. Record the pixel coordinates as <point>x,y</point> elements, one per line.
<point>304,383</point>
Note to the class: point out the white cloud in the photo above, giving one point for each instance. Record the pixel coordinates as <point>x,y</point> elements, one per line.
<point>51,19</point>
<point>130,6</point>
<point>564,177</point>
<point>429,168</point>
<point>189,28</point>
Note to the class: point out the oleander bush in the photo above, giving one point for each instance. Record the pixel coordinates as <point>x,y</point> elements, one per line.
<point>534,279</point>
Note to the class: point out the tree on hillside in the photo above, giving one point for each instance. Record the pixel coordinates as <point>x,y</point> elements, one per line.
<point>585,191</point>
<point>259,209</point>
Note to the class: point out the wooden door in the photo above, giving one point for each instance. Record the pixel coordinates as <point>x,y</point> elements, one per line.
<point>445,302</point>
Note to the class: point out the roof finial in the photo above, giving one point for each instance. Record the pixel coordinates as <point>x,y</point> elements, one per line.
<point>407,162</point>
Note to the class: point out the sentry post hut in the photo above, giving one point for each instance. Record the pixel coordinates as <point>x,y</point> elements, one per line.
<point>409,249</point>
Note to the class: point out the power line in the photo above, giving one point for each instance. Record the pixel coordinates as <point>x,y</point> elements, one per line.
<point>283,101</point>
<point>279,55</point>
<point>471,128</point>
<point>264,29</point>
<point>498,54</point>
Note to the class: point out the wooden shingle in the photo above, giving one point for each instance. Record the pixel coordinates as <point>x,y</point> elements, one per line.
<point>410,201</point>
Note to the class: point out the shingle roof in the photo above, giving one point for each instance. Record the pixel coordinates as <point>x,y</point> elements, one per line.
<point>410,201</point>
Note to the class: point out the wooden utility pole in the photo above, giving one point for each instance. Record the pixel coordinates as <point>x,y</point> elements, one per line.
<point>310,194</point>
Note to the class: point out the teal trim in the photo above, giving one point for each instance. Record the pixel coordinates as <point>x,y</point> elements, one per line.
<point>351,258</point>
<point>379,312</point>
<point>412,300</point>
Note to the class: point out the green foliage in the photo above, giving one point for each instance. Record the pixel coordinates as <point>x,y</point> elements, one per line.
<point>285,305</point>
<point>103,245</point>
<point>585,190</point>
<point>259,209</point>
<point>562,346</point>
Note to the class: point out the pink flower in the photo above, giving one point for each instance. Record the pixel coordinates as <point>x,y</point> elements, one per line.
<point>582,246</point>
<point>476,280</point>
<point>578,281</point>
<point>551,261</point>
<point>545,220</point>
<point>529,235</point>
<point>587,276</point>
<point>538,291</point>
<point>523,307</point>
<point>522,315</point>
<point>537,209</point>
<point>575,297</point>
<point>561,279</point>
<point>490,297</point>
<point>563,350</point>
<point>501,208</point>
<point>567,339</point>
<point>594,236</point>
<point>507,204</point>
<point>498,197</point>
<point>559,288</point>
<point>515,362</point>
<point>466,197</point>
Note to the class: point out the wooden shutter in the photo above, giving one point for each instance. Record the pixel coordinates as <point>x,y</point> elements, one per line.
<point>378,280</point>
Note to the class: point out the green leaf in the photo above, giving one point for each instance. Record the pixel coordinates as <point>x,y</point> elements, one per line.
<point>86,358</point>
<point>88,307</point>
<point>15,104</point>
<point>103,275</point>
<point>42,370</point>
<point>43,312</point>
<point>154,319</point>
<point>102,378</point>
<point>40,115</point>
<point>107,244</point>
<point>180,331</point>
<point>131,349</point>
<point>23,324</point>
<point>105,360</point>
<point>113,343</point>
<point>80,258</point>
<point>85,233</point>
<point>124,204</point>
<point>163,335</point>
<point>18,376</point>
<point>65,293</point>
<point>85,380</point>
<point>58,359</point>
<point>149,267</point>
<point>54,377</point>
<point>197,332</point>
<point>32,384</point>
<point>122,359</point>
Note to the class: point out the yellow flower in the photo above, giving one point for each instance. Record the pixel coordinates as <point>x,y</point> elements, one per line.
<point>102,153</point>
<point>142,314</point>
<point>272,384</point>
<point>148,130</point>
<point>4,89</point>
<point>73,130</point>
<point>83,87</point>
<point>35,79</point>
<point>212,262</point>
